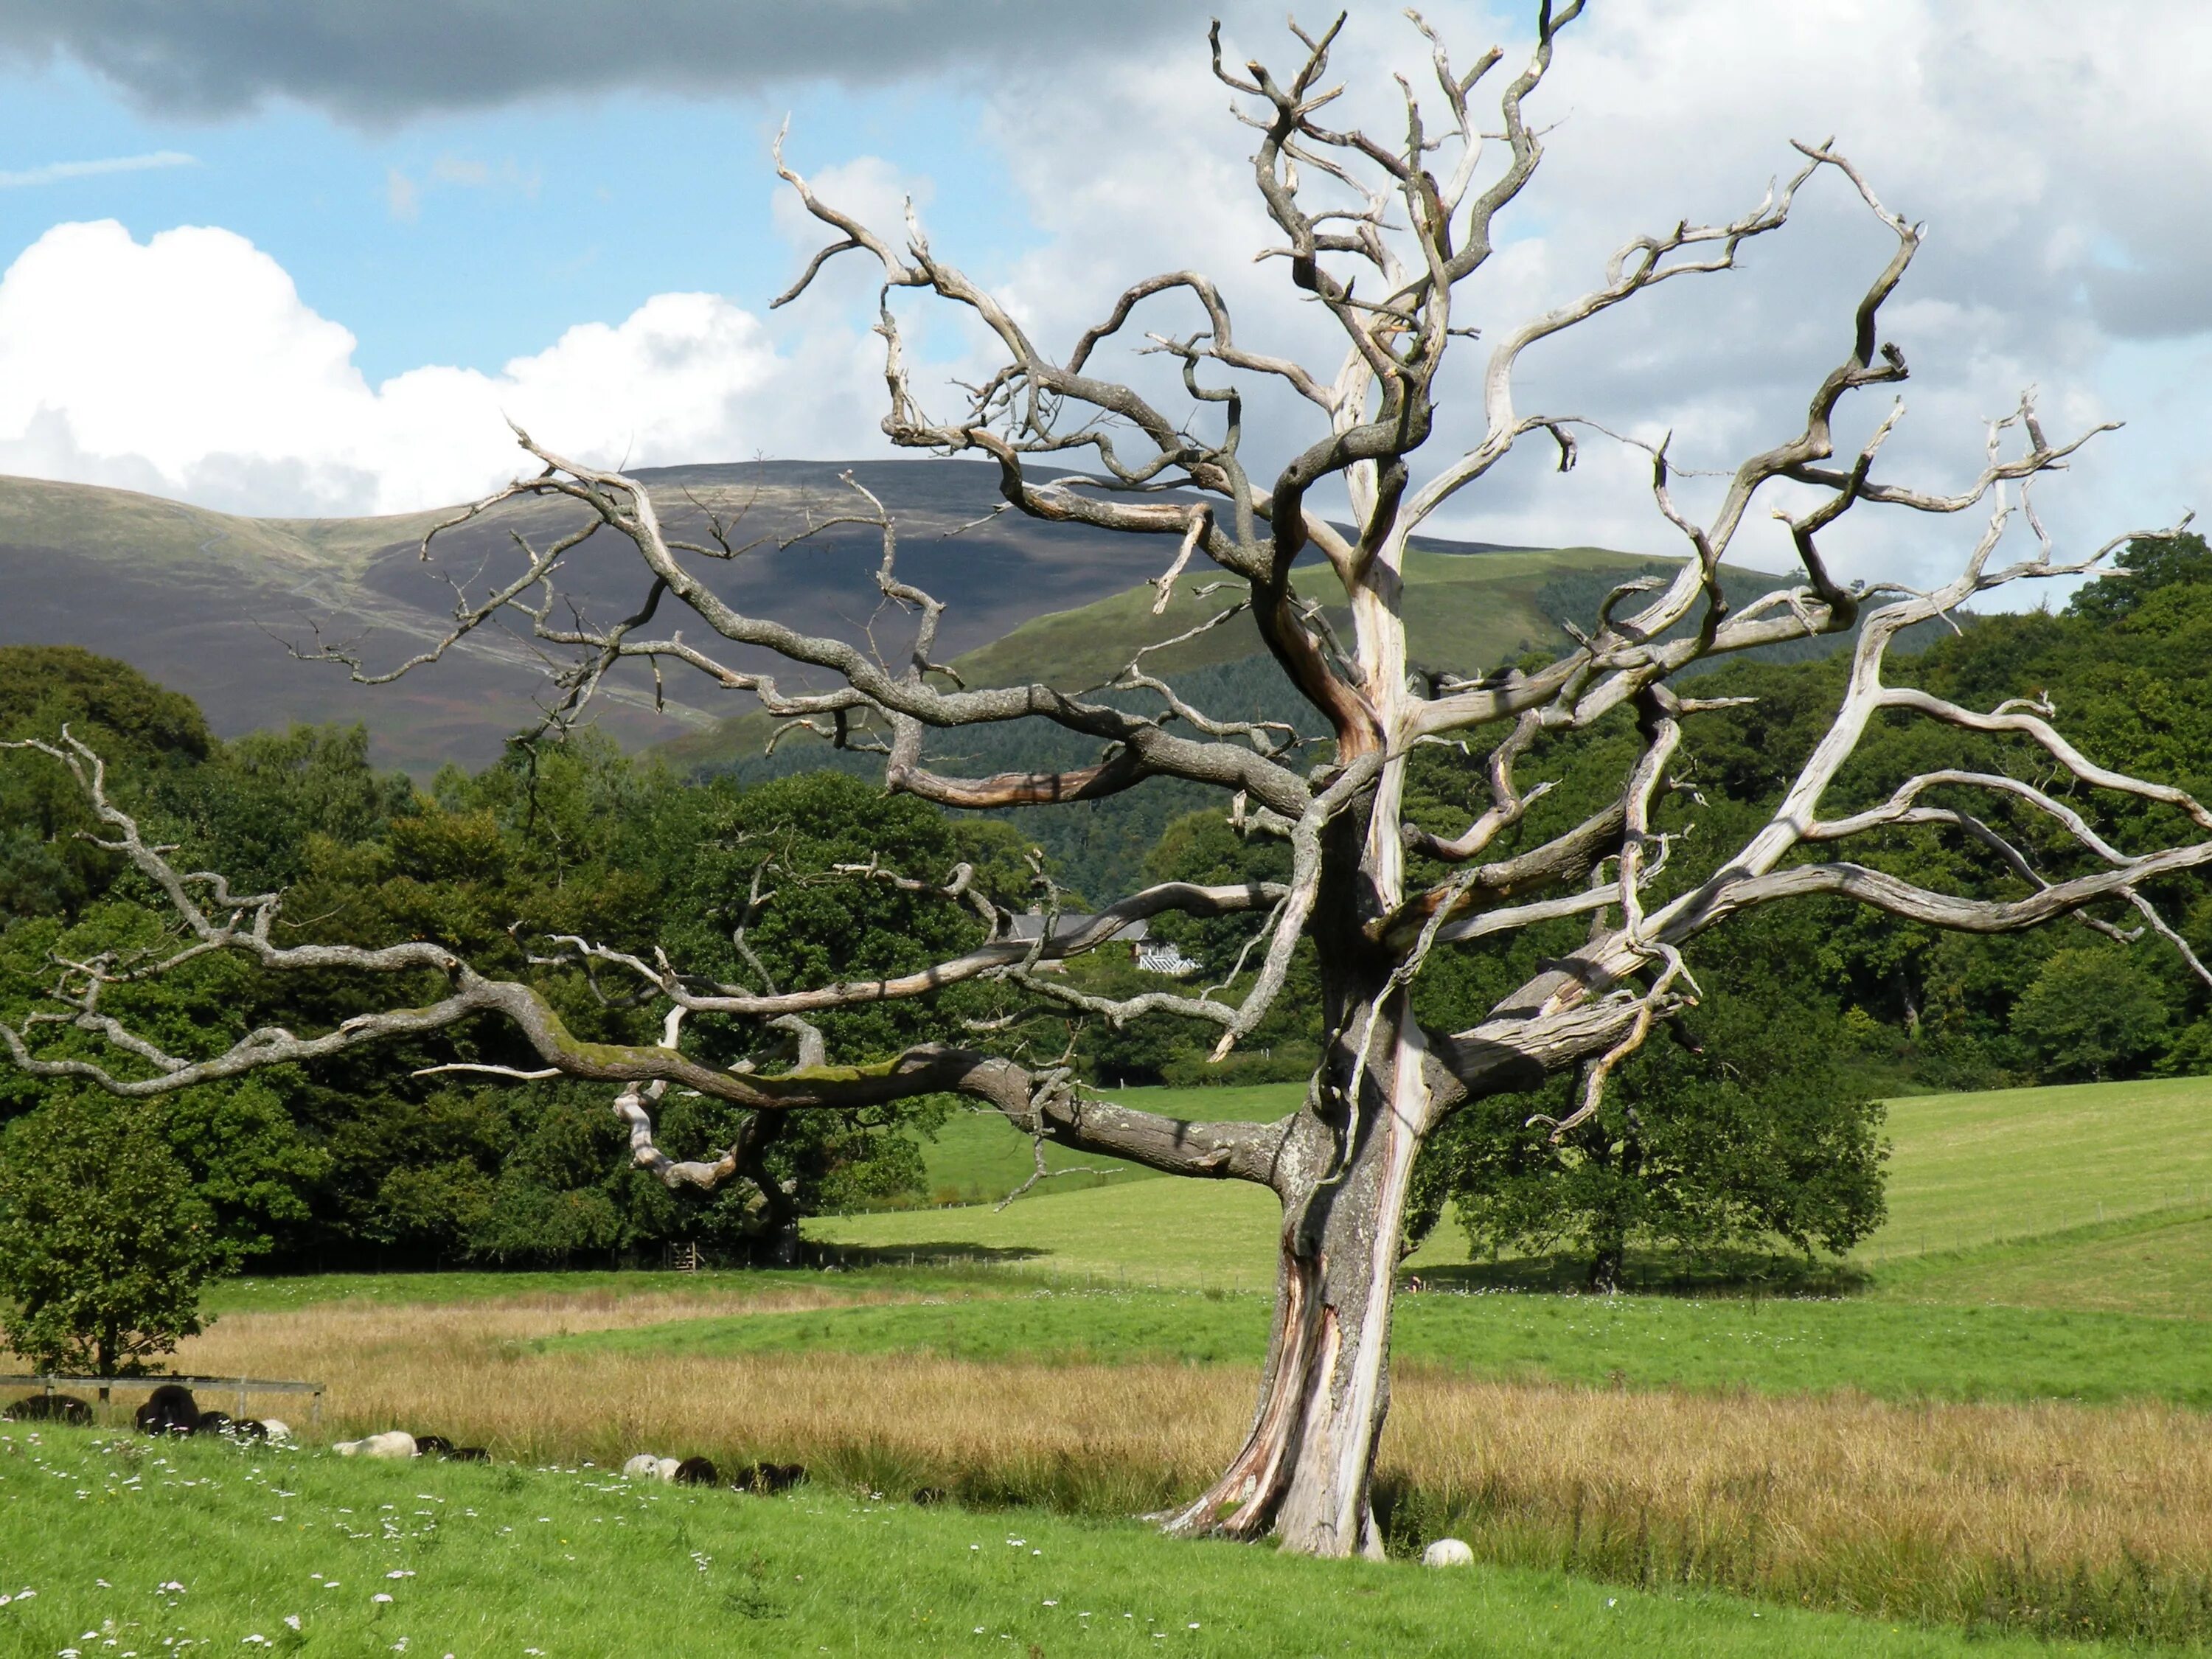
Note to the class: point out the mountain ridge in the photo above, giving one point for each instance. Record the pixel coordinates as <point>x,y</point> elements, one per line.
<point>214,604</point>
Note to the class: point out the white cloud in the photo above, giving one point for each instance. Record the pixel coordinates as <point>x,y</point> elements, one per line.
<point>404,193</point>
<point>2059,166</point>
<point>55,171</point>
<point>188,365</point>
<point>403,196</point>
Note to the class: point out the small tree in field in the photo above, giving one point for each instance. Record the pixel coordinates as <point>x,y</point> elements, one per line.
<point>2091,1014</point>
<point>1387,238</point>
<point>104,1245</point>
<point>1755,1134</point>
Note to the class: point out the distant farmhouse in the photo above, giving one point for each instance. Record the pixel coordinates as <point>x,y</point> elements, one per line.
<point>1154,956</point>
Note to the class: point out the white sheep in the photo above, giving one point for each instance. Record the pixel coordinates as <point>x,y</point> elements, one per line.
<point>392,1442</point>
<point>280,1433</point>
<point>643,1467</point>
<point>1448,1552</point>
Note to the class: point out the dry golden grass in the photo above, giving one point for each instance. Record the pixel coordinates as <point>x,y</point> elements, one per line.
<point>1944,1510</point>
<point>2051,1515</point>
<point>469,1371</point>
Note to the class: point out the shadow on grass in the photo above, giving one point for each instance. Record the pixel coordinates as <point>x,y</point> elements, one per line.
<point>958,1253</point>
<point>1657,1272</point>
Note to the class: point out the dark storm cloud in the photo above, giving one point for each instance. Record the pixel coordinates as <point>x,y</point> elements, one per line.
<point>382,60</point>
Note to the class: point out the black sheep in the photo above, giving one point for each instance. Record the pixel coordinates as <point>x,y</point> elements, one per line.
<point>696,1471</point>
<point>436,1445</point>
<point>767,1478</point>
<point>211,1423</point>
<point>248,1428</point>
<point>170,1409</point>
<point>49,1408</point>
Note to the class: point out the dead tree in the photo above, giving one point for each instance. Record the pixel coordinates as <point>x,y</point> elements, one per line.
<point>1383,236</point>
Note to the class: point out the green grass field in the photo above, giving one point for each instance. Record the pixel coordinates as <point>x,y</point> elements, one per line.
<point>1966,1170</point>
<point>978,1157</point>
<point>133,1547</point>
<point>2045,1244</point>
<point>2016,1163</point>
<point>274,1294</point>
<point>2096,1195</point>
<point>1891,1349</point>
<point>2158,1264</point>
<point>1171,1232</point>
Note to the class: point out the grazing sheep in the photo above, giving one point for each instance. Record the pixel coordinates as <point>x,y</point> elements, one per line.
<point>170,1409</point>
<point>277,1433</point>
<point>1448,1552</point>
<point>665,1467</point>
<point>243,1429</point>
<point>436,1445</point>
<point>696,1471</point>
<point>643,1467</point>
<point>767,1478</point>
<point>925,1496</point>
<point>211,1423</point>
<point>48,1408</point>
<point>392,1442</point>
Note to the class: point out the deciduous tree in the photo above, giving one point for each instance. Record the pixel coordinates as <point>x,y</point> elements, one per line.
<point>1752,1134</point>
<point>103,1244</point>
<point>2091,1012</point>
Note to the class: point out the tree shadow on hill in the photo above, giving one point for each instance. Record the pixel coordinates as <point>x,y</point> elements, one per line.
<point>959,1254</point>
<point>1655,1272</point>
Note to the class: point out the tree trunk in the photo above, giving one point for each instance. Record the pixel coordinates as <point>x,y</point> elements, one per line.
<point>1605,1263</point>
<point>779,1242</point>
<point>1609,1237</point>
<point>1305,1469</point>
<point>776,1245</point>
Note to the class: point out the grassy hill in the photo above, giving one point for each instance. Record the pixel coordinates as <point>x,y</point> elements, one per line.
<point>1467,610</point>
<point>208,603</point>
<point>1966,1171</point>
<point>204,601</point>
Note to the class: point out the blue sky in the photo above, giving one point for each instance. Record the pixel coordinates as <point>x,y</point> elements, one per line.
<point>525,220</point>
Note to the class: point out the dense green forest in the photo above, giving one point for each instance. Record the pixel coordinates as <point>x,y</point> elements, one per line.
<point>1754,1119</point>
